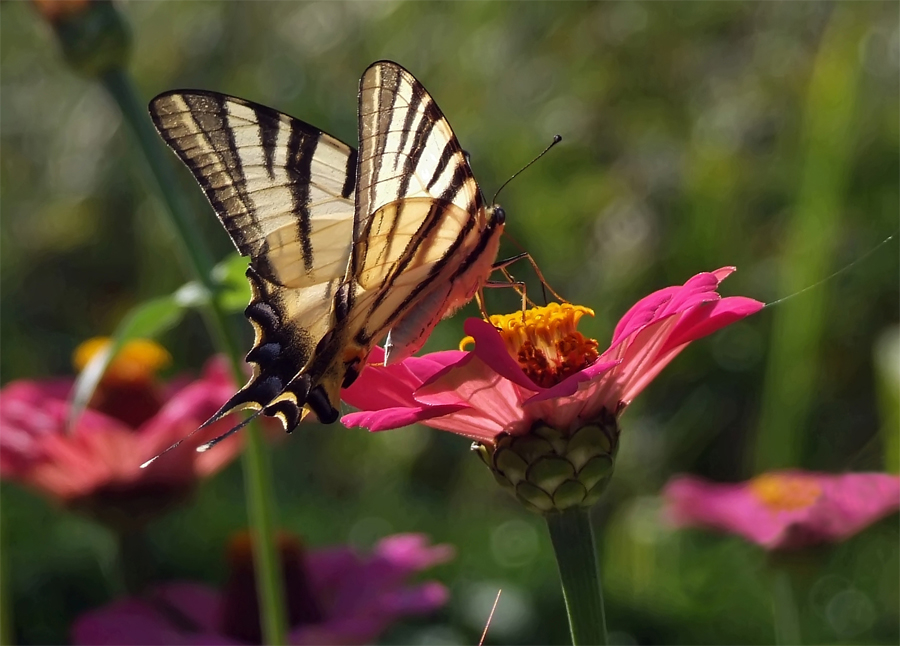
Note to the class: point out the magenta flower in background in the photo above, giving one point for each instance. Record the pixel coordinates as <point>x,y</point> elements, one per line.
<point>542,370</point>
<point>785,509</point>
<point>95,466</point>
<point>333,595</point>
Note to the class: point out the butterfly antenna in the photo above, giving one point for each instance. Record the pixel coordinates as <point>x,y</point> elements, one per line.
<point>556,140</point>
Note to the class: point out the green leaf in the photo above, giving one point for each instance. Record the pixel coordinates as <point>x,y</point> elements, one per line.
<point>234,290</point>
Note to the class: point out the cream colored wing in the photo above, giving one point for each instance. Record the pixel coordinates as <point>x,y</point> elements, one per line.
<point>407,148</point>
<point>283,189</point>
<point>285,192</point>
<point>420,214</point>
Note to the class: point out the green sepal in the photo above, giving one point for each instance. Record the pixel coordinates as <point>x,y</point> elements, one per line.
<point>549,470</point>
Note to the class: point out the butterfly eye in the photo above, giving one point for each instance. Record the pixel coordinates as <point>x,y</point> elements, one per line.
<point>499,215</point>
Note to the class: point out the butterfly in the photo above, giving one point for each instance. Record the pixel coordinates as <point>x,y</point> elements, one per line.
<point>346,246</point>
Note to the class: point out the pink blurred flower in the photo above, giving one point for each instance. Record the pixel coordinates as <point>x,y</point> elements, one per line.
<point>95,466</point>
<point>541,369</point>
<point>785,509</point>
<point>334,596</point>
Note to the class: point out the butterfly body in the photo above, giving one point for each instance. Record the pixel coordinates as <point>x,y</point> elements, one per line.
<point>346,246</point>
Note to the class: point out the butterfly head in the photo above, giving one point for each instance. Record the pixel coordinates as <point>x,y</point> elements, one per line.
<point>496,216</point>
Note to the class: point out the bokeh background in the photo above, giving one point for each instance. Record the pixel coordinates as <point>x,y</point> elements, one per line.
<point>696,135</point>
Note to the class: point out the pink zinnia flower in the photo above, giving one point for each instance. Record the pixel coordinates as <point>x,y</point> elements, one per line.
<point>333,596</point>
<point>536,376</point>
<point>95,466</point>
<point>785,509</point>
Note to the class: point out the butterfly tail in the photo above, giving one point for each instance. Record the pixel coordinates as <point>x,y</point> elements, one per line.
<point>290,404</point>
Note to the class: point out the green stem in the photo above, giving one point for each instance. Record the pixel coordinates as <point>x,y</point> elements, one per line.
<point>796,348</point>
<point>784,609</point>
<point>6,624</point>
<point>257,476</point>
<point>579,572</point>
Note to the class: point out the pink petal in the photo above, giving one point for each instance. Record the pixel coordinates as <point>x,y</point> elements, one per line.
<point>495,400</point>
<point>326,568</point>
<point>660,326</point>
<point>847,504</point>
<point>423,368</point>
<point>570,385</point>
<point>703,321</point>
<point>723,273</point>
<point>392,386</point>
<point>131,622</point>
<point>418,600</point>
<point>491,349</point>
<point>474,425</point>
<point>853,501</point>
<point>668,301</point>
<point>391,418</point>
<point>199,603</point>
<point>731,508</point>
<point>362,596</point>
<point>413,552</point>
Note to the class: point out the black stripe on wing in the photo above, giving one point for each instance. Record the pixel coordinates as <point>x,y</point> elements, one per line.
<point>407,147</point>
<point>220,138</point>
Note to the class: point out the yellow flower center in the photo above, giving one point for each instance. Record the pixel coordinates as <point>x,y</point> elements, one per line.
<point>545,341</point>
<point>137,361</point>
<point>786,492</point>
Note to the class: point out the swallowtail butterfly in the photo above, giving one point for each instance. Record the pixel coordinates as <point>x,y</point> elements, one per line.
<point>346,247</point>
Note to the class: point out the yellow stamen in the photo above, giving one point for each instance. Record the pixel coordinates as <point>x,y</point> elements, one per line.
<point>786,492</point>
<point>545,341</point>
<point>137,361</point>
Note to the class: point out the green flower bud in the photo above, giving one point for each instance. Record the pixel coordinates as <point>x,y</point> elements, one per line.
<point>92,34</point>
<point>549,470</point>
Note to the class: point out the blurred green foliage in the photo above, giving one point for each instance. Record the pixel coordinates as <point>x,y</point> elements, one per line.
<point>696,135</point>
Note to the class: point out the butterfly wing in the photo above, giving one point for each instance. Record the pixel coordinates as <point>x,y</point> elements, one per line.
<point>422,240</point>
<point>332,276</point>
<point>422,228</point>
<point>284,191</point>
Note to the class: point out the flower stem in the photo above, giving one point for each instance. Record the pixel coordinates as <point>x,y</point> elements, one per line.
<point>258,483</point>
<point>828,139</point>
<point>784,609</point>
<point>6,619</point>
<point>579,572</point>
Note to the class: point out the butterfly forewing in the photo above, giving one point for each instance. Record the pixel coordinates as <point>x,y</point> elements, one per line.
<point>283,189</point>
<point>419,212</point>
<point>407,148</point>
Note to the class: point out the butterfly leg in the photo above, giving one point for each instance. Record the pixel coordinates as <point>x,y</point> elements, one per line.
<point>479,298</point>
<point>502,264</point>
<point>521,289</point>
<point>517,285</point>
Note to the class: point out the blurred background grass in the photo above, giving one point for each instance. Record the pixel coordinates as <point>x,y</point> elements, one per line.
<point>696,135</point>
